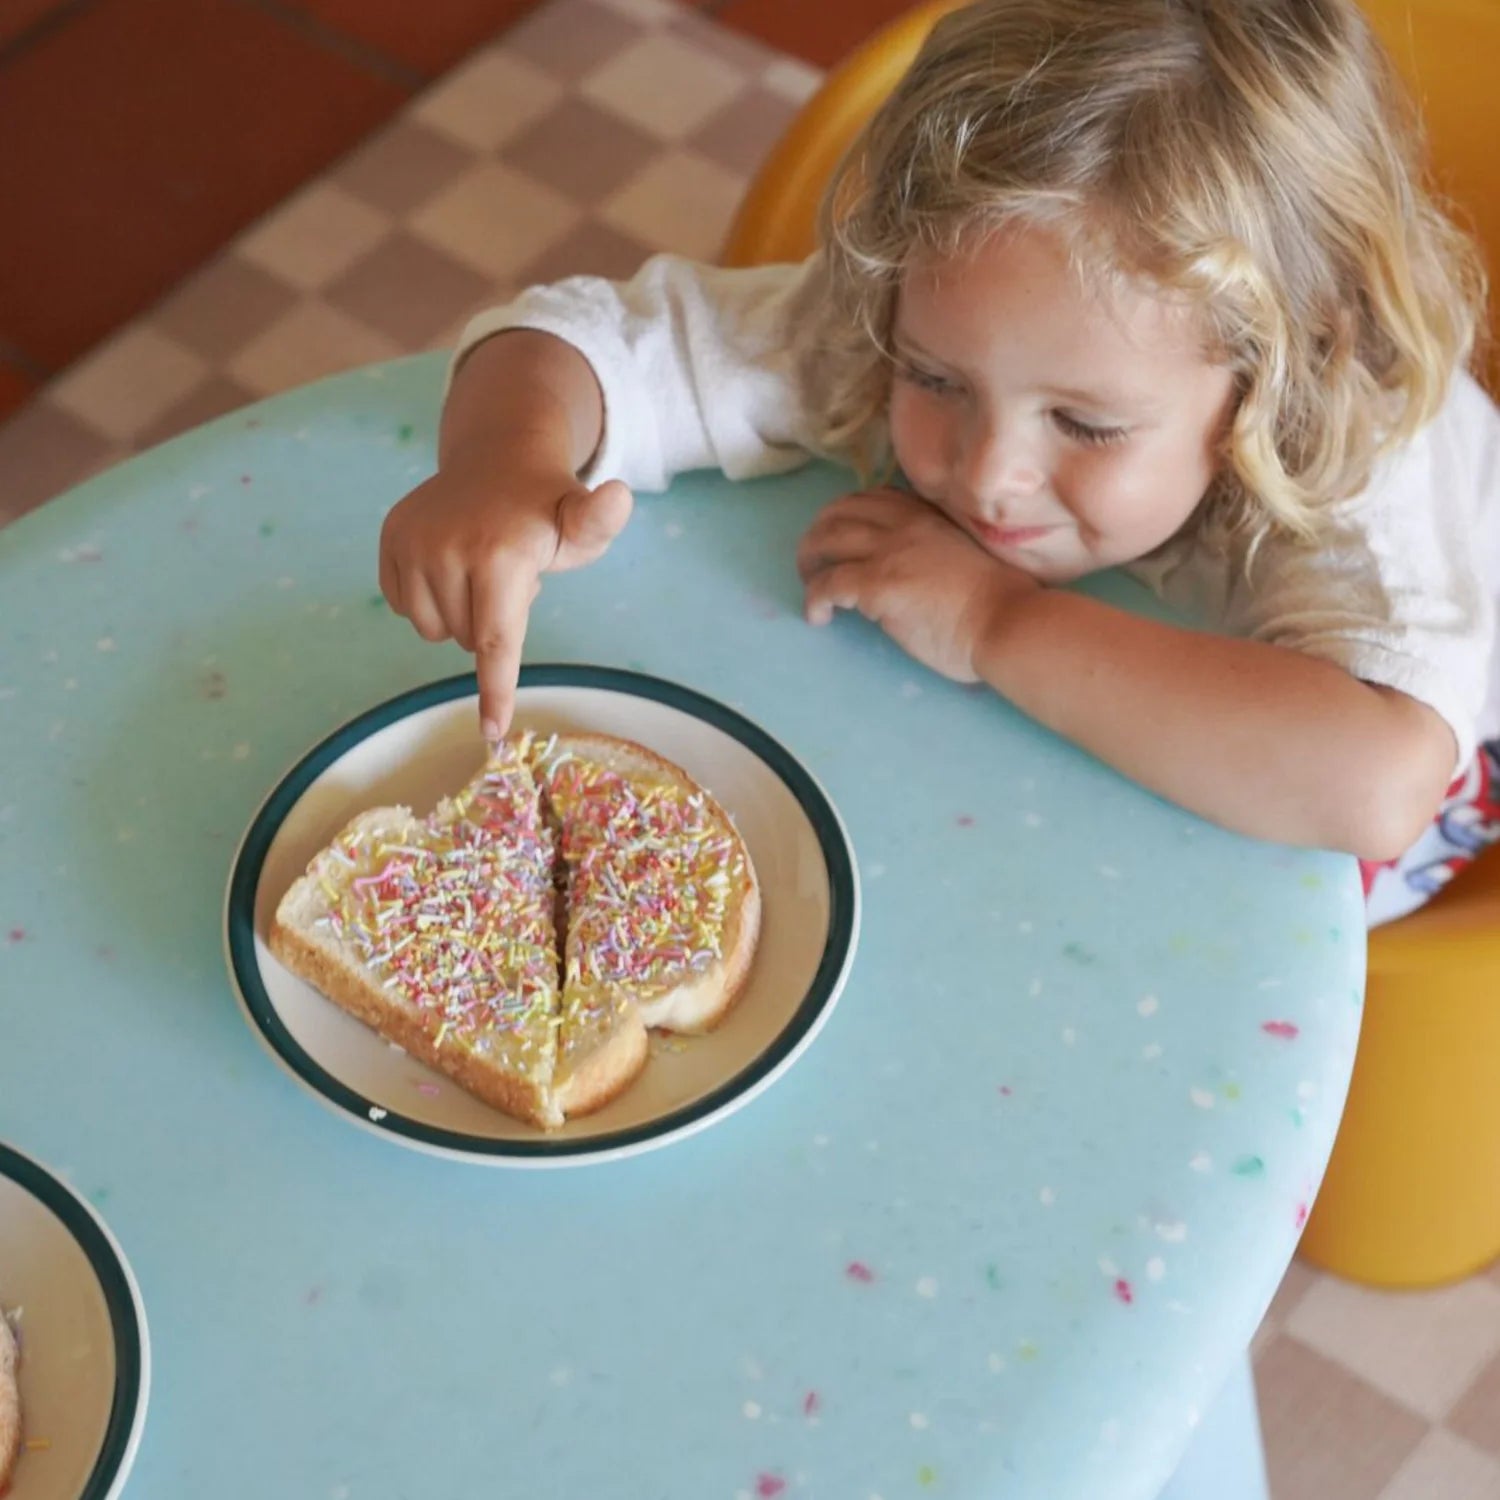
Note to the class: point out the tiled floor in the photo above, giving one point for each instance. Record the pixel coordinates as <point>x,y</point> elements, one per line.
<point>591,133</point>
<point>143,134</point>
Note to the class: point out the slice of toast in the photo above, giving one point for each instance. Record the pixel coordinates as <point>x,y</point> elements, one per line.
<point>440,934</point>
<point>10,1403</point>
<point>663,903</point>
<point>443,934</point>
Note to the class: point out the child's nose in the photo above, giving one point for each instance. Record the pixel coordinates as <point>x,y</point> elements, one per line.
<point>1001,462</point>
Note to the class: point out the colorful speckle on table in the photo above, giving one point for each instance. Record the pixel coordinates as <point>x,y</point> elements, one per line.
<point>1286,1030</point>
<point>767,1486</point>
<point>857,1270</point>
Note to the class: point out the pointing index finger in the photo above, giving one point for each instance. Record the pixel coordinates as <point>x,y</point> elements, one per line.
<point>501,597</point>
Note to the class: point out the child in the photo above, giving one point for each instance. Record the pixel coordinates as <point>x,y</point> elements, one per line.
<point>1149,284</point>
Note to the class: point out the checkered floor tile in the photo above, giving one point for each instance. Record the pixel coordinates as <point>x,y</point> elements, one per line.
<point>592,134</point>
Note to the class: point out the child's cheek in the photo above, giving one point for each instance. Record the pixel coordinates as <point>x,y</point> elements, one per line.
<point>918,442</point>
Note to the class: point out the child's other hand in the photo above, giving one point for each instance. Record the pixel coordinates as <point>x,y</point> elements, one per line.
<point>903,564</point>
<point>463,555</point>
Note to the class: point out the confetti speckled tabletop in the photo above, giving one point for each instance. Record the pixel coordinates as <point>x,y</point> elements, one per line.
<point>1001,1232</point>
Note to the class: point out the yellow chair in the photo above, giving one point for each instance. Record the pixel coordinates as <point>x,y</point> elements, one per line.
<point>1412,1194</point>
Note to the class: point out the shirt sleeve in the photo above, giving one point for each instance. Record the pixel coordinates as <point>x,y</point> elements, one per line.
<point>1399,589</point>
<point>700,366</point>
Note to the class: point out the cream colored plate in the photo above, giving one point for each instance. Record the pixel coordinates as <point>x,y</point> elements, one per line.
<point>423,746</point>
<point>85,1359</point>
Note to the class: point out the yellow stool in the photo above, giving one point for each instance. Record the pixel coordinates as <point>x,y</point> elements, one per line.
<point>777,219</point>
<point>1412,1194</point>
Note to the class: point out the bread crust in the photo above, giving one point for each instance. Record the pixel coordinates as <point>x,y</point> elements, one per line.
<point>10,1403</point>
<point>383,1011</point>
<point>608,1070</point>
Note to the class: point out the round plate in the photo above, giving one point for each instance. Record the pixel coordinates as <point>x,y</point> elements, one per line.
<point>85,1371</point>
<point>424,745</point>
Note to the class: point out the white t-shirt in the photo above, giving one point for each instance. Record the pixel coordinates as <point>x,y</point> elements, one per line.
<point>701,367</point>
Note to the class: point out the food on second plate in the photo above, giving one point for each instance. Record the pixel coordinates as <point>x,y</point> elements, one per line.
<point>525,935</point>
<point>10,1402</point>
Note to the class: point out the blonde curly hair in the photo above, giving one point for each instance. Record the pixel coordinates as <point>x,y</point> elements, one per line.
<point>1258,157</point>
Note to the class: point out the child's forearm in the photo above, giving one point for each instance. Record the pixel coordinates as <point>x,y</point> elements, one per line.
<point>522,390</point>
<point>1260,739</point>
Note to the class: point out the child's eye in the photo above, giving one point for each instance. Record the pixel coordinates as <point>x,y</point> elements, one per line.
<point>925,380</point>
<point>1086,433</point>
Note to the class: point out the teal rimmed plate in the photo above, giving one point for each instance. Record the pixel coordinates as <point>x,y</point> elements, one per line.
<point>85,1370</point>
<point>421,746</point>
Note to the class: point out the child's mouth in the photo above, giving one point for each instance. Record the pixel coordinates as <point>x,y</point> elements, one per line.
<point>1010,536</point>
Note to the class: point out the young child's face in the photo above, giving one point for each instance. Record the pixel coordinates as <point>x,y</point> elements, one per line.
<point>1066,430</point>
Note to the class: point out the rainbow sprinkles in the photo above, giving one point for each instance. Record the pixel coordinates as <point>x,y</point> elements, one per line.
<point>525,935</point>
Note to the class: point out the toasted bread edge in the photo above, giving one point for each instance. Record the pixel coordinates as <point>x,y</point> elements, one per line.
<point>352,991</point>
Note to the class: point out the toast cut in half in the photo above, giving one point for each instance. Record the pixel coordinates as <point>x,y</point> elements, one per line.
<point>10,1403</point>
<point>663,904</point>
<point>524,936</point>
<point>440,933</point>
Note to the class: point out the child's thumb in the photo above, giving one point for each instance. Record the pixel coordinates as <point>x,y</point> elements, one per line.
<point>590,521</point>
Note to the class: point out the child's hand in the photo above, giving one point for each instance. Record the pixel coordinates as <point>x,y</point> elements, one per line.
<point>463,555</point>
<point>903,564</point>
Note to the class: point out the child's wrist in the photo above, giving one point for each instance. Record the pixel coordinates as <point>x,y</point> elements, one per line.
<point>511,449</point>
<point>1007,616</point>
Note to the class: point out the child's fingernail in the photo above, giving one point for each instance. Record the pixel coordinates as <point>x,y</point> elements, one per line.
<point>491,732</point>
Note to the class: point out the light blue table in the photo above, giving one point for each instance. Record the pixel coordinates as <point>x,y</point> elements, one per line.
<point>1004,1231</point>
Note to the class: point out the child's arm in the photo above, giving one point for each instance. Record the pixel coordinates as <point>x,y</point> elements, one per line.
<point>684,366</point>
<point>462,554</point>
<point>1259,738</point>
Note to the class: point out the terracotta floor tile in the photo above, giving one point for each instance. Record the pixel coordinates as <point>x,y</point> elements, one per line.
<point>1476,1414</point>
<point>581,150</point>
<point>44,451</point>
<point>15,388</point>
<point>428,37</point>
<point>221,308</point>
<point>408,291</point>
<point>142,158</point>
<point>571,37</point>
<point>820,34</point>
<point>19,16</point>
<point>1329,1436</point>
<point>213,398</point>
<point>402,166</point>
